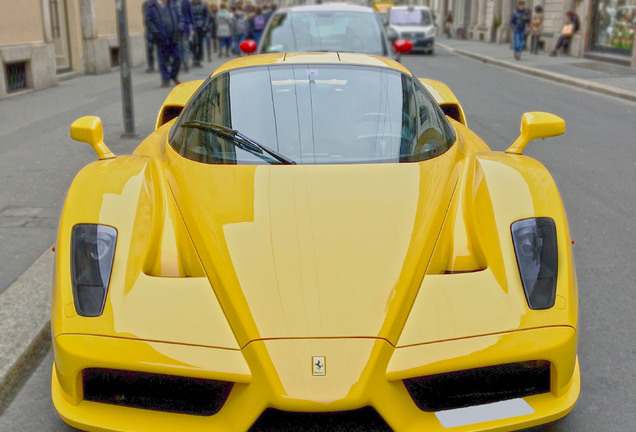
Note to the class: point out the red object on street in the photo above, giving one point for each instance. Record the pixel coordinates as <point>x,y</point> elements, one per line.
<point>248,46</point>
<point>403,45</point>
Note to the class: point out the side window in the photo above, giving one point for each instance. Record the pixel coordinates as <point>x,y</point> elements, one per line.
<point>425,132</point>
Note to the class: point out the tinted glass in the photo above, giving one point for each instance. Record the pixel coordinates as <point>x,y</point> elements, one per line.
<point>415,17</point>
<point>326,30</point>
<point>318,114</point>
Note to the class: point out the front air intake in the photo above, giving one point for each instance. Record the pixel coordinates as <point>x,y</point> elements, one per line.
<point>175,394</point>
<point>479,386</point>
<point>364,419</point>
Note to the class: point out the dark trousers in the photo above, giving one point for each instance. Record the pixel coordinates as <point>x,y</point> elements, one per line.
<point>197,45</point>
<point>169,60</point>
<point>563,42</point>
<point>150,52</point>
<point>534,43</point>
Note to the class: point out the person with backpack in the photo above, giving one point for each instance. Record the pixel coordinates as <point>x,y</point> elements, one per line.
<point>241,28</point>
<point>258,24</point>
<point>224,24</point>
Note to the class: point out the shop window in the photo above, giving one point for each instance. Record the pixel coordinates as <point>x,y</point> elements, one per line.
<point>613,24</point>
<point>16,74</point>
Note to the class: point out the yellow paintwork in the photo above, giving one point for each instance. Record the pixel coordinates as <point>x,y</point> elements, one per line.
<point>244,273</point>
<point>89,130</point>
<point>443,95</point>
<point>382,6</point>
<point>536,125</point>
<point>178,97</point>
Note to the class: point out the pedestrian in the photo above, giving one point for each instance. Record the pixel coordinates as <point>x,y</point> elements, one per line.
<point>519,21</point>
<point>201,26</point>
<point>164,22</point>
<point>187,32</point>
<point>241,28</point>
<point>536,28</point>
<point>224,26</point>
<point>150,45</point>
<point>211,42</point>
<point>571,26</point>
<point>448,25</point>
<point>258,24</point>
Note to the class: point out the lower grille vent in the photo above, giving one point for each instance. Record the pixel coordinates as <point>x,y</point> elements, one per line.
<point>366,419</point>
<point>479,386</point>
<point>156,392</point>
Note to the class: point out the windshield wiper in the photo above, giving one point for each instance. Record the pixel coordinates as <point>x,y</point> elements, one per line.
<point>241,141</point>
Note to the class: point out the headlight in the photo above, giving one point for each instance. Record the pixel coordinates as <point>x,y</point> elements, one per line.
<point>536,249</point>
<point>92,253</point>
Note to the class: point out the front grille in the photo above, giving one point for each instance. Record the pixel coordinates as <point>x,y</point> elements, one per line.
<point>366,419</point>
<point>479,386</point>
<point>155,392</point>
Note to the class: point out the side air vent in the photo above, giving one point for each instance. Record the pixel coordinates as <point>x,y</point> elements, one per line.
<point>155,392</point>
<point>479,386</point>
<point>170,112</point>
<point>364,419</point>
<point>452,111</point>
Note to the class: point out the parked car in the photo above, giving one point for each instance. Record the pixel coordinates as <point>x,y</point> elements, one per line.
<point>334,27</point>
<point>312,240</point>
<point>415,24</point>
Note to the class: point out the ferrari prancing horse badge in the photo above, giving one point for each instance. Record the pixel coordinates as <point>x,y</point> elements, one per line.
<point>319,366</point>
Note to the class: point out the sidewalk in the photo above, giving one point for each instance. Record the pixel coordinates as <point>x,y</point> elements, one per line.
<point>601,77</point>
<point>24,306</point>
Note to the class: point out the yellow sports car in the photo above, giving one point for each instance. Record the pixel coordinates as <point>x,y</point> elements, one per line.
<point>314,239</point>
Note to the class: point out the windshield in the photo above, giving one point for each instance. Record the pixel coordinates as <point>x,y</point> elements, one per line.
<point>314,114</point>
<point>325,30</point>
<point>415,17</point>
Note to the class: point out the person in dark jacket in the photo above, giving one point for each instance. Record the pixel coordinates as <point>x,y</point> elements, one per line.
<point>187,32</point>
<point>201,23</point>
<point>164,23</point>
<point>519,21</point>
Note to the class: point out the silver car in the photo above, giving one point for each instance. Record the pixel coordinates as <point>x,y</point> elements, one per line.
<point>415,24</point>
<point>329,27</point>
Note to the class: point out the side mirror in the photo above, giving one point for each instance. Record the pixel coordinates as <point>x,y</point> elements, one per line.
<point>89,130</point>
<point>535,125</point>
<point>248,46</point>
<point>403,45</point>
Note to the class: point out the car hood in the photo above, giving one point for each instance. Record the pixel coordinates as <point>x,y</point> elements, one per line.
<point>314,251</point>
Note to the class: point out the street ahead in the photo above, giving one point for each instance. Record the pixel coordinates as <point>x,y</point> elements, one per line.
<point>594,165</point>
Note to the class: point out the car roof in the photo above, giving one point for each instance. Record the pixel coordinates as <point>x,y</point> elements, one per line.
<point>311,58</point>
<point>327,6</point>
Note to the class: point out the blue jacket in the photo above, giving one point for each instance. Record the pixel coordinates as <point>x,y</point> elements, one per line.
<point>186,12</point>
<point>158,32</point>
<point>520,19</point>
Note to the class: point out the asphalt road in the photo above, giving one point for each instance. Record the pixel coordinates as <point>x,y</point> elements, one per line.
<point>594,165</point>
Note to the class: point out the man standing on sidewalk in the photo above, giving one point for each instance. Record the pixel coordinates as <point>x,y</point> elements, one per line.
<point>201,23</point>
<point>519,21</point>
<point>164,23</point>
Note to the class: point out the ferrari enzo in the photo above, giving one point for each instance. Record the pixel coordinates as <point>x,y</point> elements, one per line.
<point>314,239</point>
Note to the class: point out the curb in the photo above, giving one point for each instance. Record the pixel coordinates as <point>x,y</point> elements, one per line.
<point>25,334</point>
<point>553,76</point>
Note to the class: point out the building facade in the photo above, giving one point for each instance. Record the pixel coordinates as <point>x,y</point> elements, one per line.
<point>606,33</point>
<point>43,39</point>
